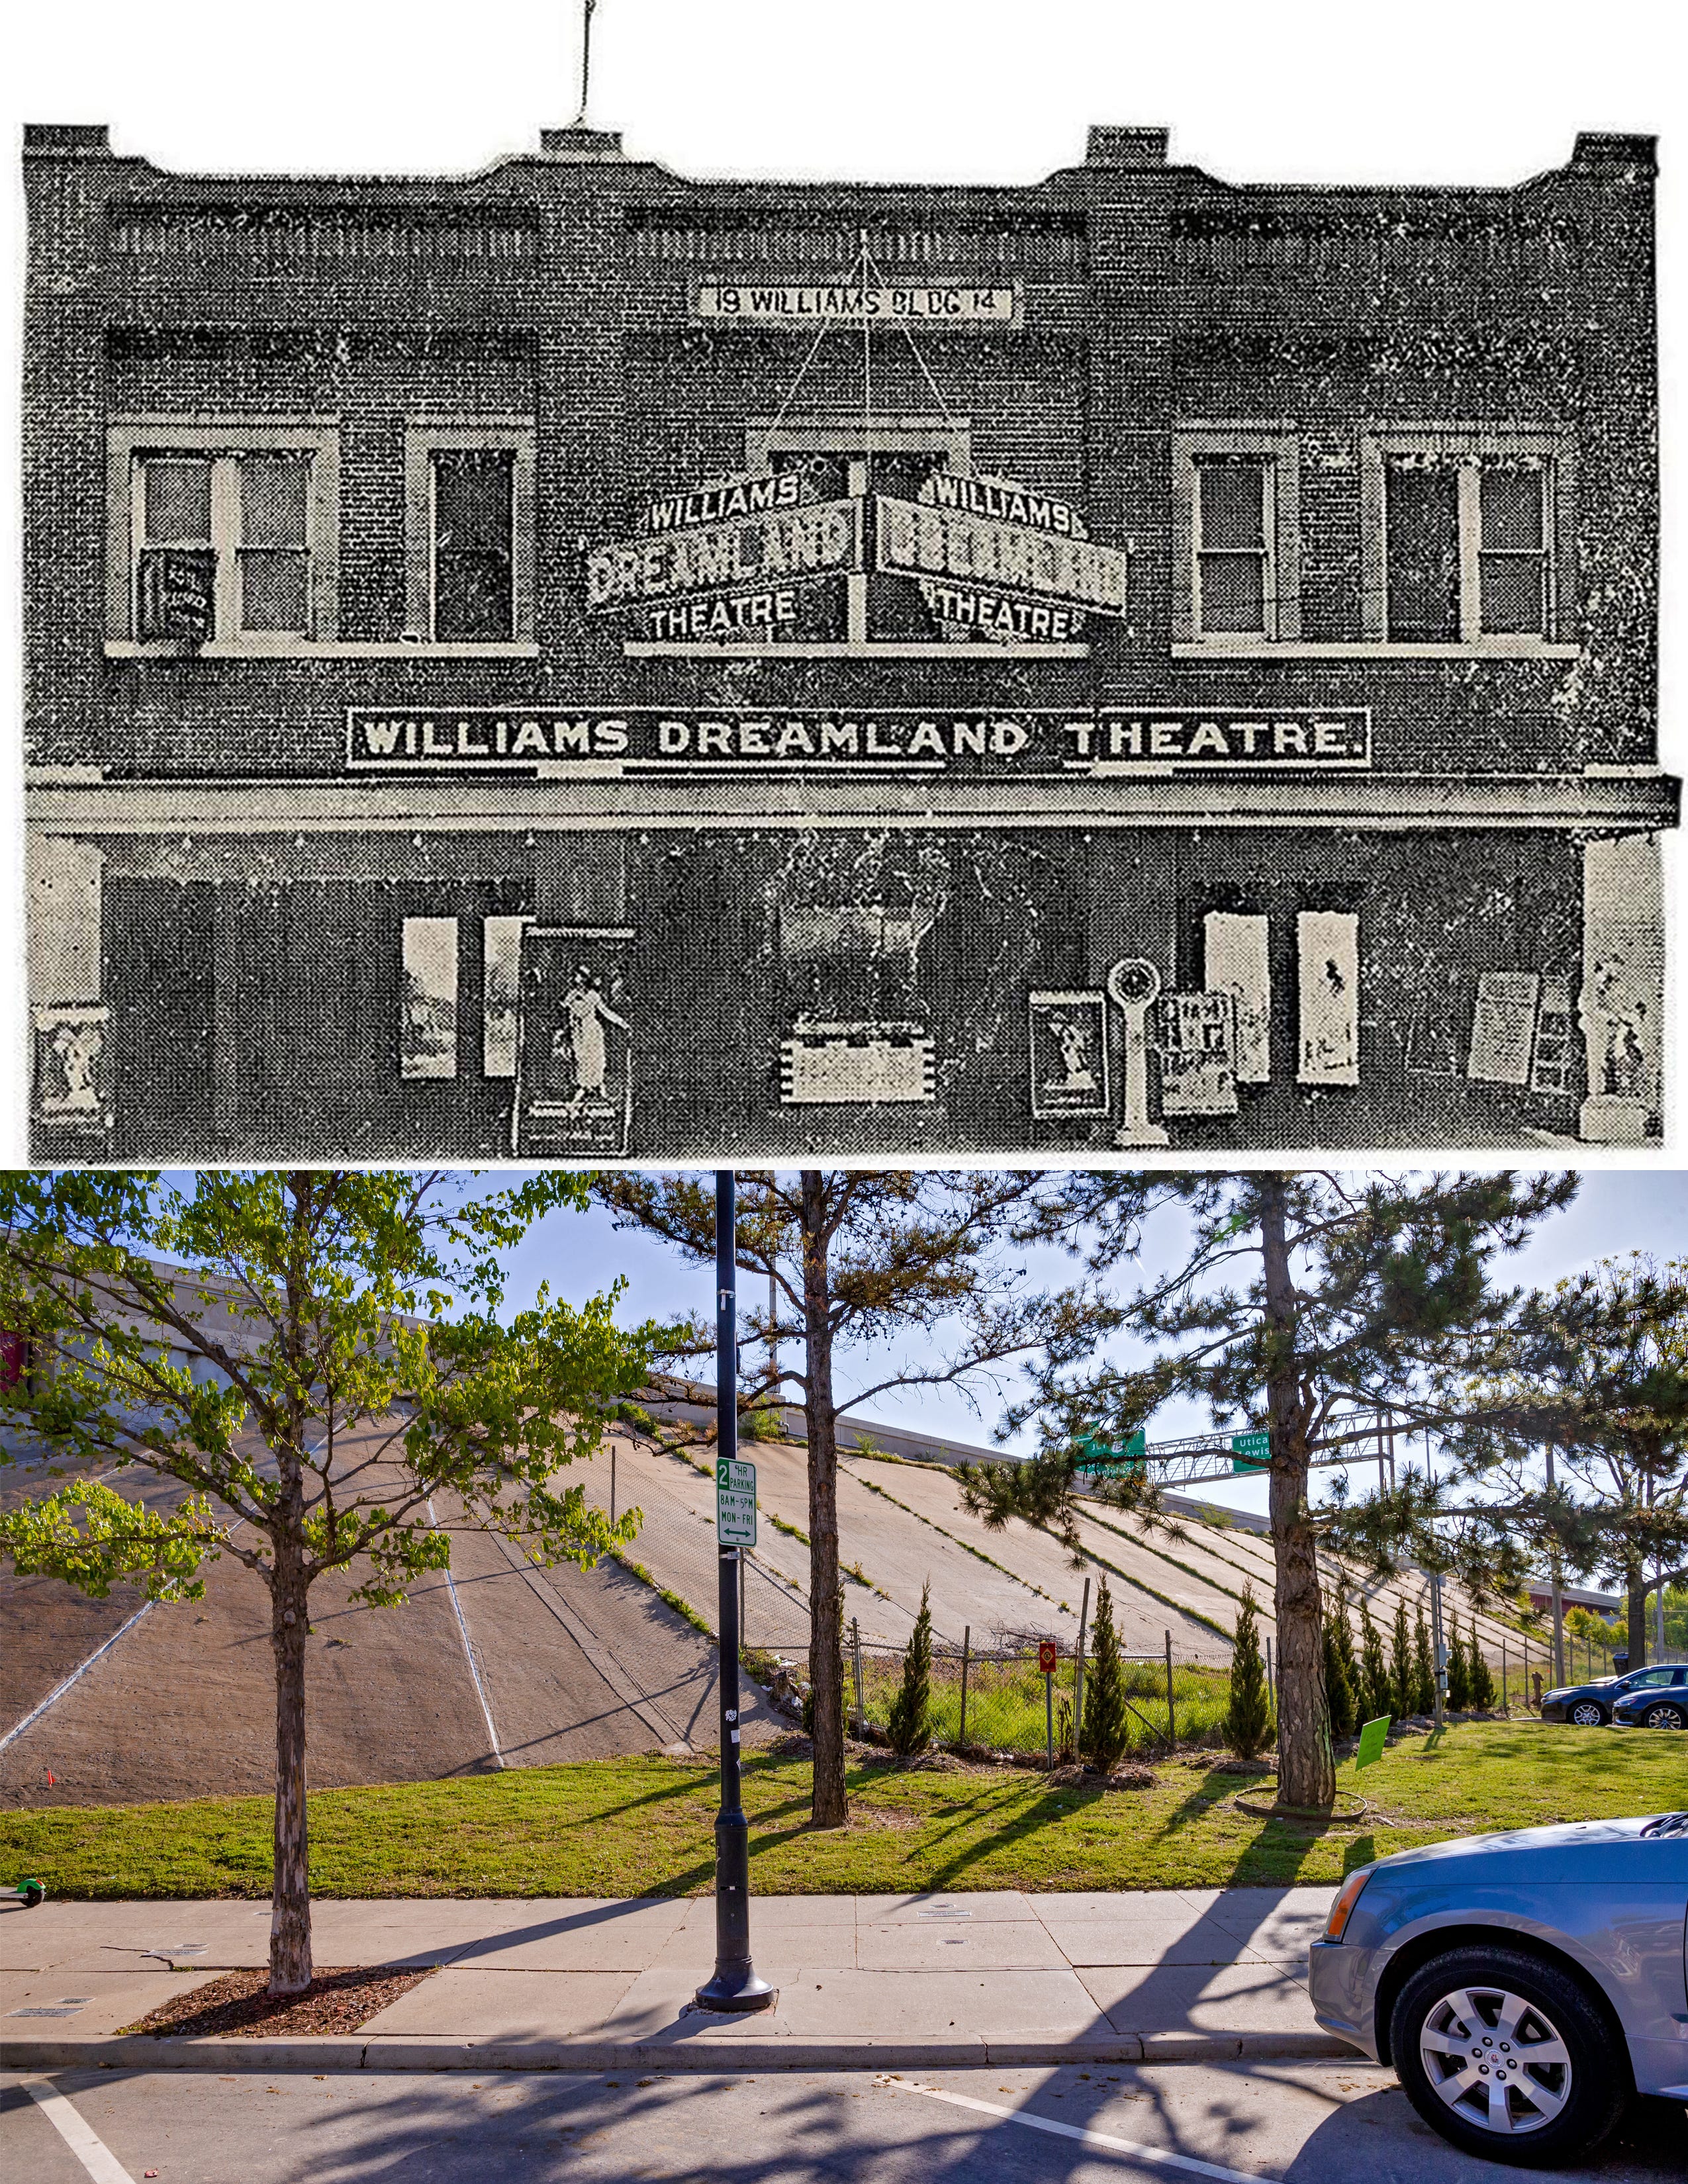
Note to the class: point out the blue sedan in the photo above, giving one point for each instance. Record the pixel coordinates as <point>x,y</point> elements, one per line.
<point>1590,1704</point>
<point>1656,1699</point>
<point>1525,1986</point>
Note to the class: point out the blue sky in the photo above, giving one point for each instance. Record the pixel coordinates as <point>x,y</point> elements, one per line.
<point>1617,1211</point>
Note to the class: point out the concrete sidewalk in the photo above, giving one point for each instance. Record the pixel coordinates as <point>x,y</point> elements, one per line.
<point>892,1982</point>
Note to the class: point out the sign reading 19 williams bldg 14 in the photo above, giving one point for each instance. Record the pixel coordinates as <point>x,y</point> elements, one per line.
<point>585,665</point>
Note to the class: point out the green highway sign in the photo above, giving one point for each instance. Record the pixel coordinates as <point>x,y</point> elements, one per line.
<point>1372,1742</point>
<point>1103,1459</point>
<point>1249,1451</point>
<point>735,1503</point>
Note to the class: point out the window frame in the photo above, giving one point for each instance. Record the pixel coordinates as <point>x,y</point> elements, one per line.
<point>1277,446</point>
<point>221,442</point>
<point>1466,447</point>
<point>424,439</point>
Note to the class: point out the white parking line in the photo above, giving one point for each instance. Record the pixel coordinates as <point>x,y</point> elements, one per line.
<point>1158,2154</point>
<point>89,2148</point>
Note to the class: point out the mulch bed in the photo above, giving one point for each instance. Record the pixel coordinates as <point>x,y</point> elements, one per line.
<point>237,2005</point>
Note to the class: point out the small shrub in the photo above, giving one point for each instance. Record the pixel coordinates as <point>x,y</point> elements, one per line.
<point>1375,1697</point>
<point>1403,1681</point>
<point>1248,1719</point>
<point>1478,1681</point>
<point>1424,1670</point>
<point>908,1723</point>
<point>1339,1690</point>
<point>1105,1727</point>
<point>1459,1673</point>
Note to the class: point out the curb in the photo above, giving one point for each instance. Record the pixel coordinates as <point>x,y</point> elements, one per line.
<point>680,2052</point>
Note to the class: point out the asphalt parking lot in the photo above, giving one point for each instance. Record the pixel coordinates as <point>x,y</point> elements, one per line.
<point>1311,2123</point>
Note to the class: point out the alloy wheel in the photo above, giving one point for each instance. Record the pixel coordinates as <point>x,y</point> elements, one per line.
<point>1663,1716</point>
<point>1586,1715</point>
<point>1497,2060</point>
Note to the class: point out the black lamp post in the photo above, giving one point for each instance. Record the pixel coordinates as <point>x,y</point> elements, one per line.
<point>735,1985</point>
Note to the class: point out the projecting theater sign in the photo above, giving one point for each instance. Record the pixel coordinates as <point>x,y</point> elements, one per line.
<point>634,740</point>
<point>766,558</point>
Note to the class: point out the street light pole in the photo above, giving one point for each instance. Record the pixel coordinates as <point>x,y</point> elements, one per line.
<point>735,1986</point>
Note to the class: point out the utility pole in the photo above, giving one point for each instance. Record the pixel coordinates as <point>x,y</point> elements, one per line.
<point>1437,1640</point>
<point>736,1985</point>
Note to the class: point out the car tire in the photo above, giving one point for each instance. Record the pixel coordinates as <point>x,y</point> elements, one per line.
<point>1587,1714</point>
<point>1556,2105</point>
<point>1664,1716</point>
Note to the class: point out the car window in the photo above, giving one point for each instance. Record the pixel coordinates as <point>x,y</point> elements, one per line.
<point>1650,1679</point>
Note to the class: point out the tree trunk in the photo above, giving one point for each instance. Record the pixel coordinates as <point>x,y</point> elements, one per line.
<point>1306,1766</point>
<point>1636,1586</point>
<point>830,1808</point>
<point>290,1898</point>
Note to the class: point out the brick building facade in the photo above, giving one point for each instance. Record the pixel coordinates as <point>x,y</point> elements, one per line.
<point>579,662</point>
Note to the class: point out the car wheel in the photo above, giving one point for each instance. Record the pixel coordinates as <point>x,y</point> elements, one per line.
<point>1664,1716</point>
<point>1588,1713</point>
<point>1507,2058</point>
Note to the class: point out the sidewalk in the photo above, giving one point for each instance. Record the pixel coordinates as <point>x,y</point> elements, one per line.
<point>877,1982</point>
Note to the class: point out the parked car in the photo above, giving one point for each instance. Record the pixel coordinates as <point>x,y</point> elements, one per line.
<point>1658,1698</point>
<point>1525,1987</point>
<point>1589,1704</point>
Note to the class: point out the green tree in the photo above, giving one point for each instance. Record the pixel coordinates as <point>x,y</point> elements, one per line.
<point>1479,1681</point>
<point>1459,1670</point>
<point>864,1266</point>
<point>1248,1717</point>
<point>1423,1667</point>
<point>1403,1682</point>
<point>1342,1630</point>
<point>283,1345</point>
<point>1278,1299</point>
<point>1339,1690</point>
<point>1375,1695</point>
<point>909,1722</point>
<point>1104,1728</point>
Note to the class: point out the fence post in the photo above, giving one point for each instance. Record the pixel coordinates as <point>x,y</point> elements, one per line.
<point>856,1649</point>
<point>1505,1702</point>
<point>1172,1721</point>
<point>1079,1678</point>
<point>612,1482</point>
<point>1049,1718</point>
<point>967,1648</point>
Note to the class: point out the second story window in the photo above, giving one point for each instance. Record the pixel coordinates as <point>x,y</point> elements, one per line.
<point>1232,547</point>
<point>222,539</point>
<point>1461,538</point>
<point>474,570</point>
<point>469,533</point>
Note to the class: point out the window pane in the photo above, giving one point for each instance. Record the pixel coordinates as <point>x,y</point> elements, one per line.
<point>501,955</point>
<point>1512,501</point>
<point>471,597</point>
<point>273,592</point>
<point>178,500</point>
<point>427,1036</point>
<point>272,500</point>
<point>472,501</point>
<point>1232,592</point>
<point>1233,512</point>
<point>1421,515</point>
<point>1513,595</point>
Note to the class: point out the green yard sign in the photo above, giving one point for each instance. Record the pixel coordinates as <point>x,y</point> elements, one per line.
<point>735,1502</point>
<point>1372,1742</point>
<point>1250,1451</point>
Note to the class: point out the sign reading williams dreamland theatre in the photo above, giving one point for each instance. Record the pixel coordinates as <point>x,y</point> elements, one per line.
<point>555,738</point>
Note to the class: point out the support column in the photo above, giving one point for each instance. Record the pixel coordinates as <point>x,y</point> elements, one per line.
<point>70,1096</point>
<point>1621,1007</point>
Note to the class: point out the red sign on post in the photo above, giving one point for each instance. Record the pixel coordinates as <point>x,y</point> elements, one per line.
<point>1048,1653</point>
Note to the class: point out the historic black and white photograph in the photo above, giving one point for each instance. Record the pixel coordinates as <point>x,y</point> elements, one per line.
<point>582,662</point>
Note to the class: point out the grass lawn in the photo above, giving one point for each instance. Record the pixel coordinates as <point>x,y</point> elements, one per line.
<point>641,1827</point>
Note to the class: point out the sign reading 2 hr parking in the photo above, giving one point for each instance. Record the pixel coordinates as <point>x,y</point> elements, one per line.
<point>560,740</point>
<point>735,1502</point>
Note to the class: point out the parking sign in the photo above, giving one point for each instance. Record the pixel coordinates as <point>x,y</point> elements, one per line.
<point>735,1502</point>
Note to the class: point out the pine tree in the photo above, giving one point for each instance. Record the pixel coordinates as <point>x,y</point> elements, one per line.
<point>1248,1719</point>
<point>1374,1692</point>
<point>1477,1678</point>
<point>1423,1669</point>
<point>1459,1672</point>
<point>1103,1734</point>
<point>1403,1684</point>
<point>1339,1691</point>
<point>909,1722</point>
<point>1343,1628</point>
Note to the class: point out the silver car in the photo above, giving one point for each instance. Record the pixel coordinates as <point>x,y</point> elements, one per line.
<point>1525,1986</point>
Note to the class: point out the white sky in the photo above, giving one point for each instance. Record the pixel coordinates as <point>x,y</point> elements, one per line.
<point>934,90</point>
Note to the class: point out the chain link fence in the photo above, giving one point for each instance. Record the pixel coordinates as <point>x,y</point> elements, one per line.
<point>995,1702</point>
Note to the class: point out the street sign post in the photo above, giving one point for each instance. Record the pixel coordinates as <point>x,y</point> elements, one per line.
<point>736,1985</point>
<point>1048,1654</point>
